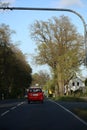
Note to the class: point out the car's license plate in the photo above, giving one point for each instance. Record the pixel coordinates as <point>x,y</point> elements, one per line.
<point>35,94</point>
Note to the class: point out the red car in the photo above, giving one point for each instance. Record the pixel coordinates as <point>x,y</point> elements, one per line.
<point>35,94</point>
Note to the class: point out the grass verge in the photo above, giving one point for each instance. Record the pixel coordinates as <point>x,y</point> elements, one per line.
<point>81,112</point>
<point>71,99</point>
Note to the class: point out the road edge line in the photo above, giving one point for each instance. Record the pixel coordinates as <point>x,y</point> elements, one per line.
<point>81,120</point>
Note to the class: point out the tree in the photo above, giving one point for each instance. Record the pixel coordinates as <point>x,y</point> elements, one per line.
<point>40,78</point>
<point>5,41</point>
<point>15,71</point>
<point>60,46</point>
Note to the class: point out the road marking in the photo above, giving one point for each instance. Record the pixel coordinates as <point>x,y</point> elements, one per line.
<point>12,108</point>
<point>81,120</point>
<point>4,113</point>
<point>20,103</point>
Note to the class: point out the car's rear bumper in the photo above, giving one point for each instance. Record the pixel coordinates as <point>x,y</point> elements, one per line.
<point>35,99</point>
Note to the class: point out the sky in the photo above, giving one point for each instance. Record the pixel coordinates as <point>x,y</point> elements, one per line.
<point>20,21</point>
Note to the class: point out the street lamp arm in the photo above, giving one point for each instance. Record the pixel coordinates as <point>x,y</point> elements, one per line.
<point>54,9</point>
<point>44,9</point>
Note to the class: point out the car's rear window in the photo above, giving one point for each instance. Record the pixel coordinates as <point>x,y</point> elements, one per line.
<point>35,90</point>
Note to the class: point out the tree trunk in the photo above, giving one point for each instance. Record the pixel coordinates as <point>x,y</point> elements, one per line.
<point>60,81</point>
<point>56,90</point>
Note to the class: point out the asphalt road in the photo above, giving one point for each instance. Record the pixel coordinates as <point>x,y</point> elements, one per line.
<point>36,116</point>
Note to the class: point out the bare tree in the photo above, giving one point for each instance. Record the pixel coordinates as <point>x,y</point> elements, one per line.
<point>60,46</point>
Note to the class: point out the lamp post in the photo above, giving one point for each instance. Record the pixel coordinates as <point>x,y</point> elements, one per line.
<point>56,9</point>
<point>85,44</point>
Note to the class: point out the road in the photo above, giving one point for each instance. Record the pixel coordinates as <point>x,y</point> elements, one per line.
<point>36,116</point>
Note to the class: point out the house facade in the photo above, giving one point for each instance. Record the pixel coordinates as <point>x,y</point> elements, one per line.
<point>75,84</point>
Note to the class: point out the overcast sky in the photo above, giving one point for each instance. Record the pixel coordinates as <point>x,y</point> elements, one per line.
<point>21,20</point>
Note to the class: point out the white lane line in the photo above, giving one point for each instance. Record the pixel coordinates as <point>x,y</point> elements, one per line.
<point>81,120</point>
<point>19,104</point>
<point>4,113</point>
<point>12,108</point>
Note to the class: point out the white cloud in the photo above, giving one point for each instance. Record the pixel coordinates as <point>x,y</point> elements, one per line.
<point>68,3</point>
<point>8,1</point>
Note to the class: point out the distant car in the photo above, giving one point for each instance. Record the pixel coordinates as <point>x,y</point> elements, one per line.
<point>35,94</point>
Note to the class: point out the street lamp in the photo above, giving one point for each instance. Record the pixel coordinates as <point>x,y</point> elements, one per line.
<point>85,44</point>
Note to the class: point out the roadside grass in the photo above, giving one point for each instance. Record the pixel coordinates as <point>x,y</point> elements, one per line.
<point>71,99</point>
<point>81,112</point>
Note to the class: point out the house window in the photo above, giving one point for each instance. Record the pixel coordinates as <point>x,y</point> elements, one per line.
<point>73,84</point>
<point>77,83</point>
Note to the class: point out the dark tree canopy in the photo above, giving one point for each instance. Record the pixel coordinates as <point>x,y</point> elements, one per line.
<point>15,71</point>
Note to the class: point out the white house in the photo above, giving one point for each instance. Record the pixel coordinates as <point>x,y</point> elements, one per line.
<point>76,84</point>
